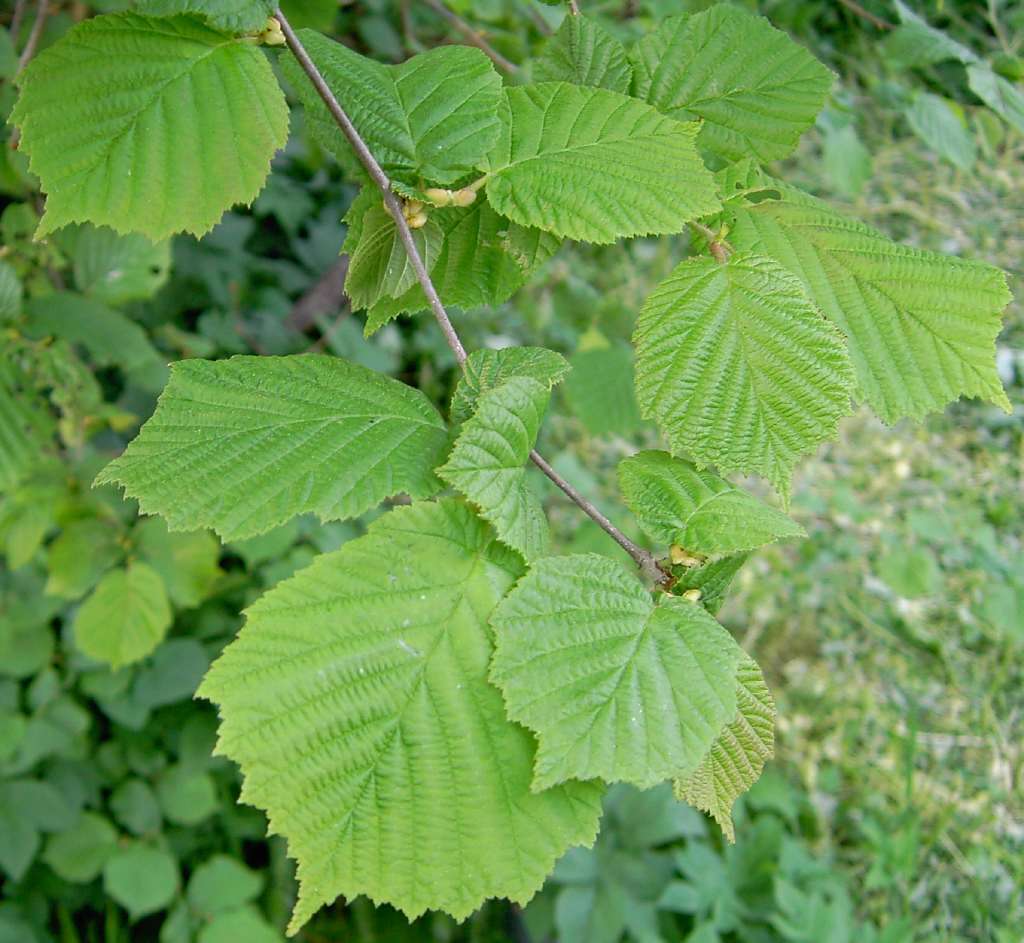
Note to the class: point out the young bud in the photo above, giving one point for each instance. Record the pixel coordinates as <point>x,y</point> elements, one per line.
<point>439,197</point>
<point>272,35</point>
<point>418,221</point>
<point>682,557</point>
<point>693,595</point>
<point>464,197</point>
<point>411,208</point>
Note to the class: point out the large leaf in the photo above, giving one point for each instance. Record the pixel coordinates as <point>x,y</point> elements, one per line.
<point>678,503</point>
<point>126,616</point>
<point>583,52</point>
<point>149,125</point>
<point>591,164</point>
<point>488,462</point>
<point>434,116</point>
<point>356,702</point>
<point>735,761</point>
<point>754,88</point>
<point>739,368</point>
<point>614,686</point>
<point>242,445</point>
<point>921,326</point>
<point>485,369</point>
<point>228,15</point>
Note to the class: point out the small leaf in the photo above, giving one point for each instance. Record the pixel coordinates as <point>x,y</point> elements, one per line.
<point>485,369</point>
<point>591,164</point>
<point>755,90</point>
<point>148,125</point>
<point>79,854</point>
<point>739,368</point>
<point>676,502</point>
<point>737,757</point>
<point>114,268</point>
<point>222,883</point>
<point>10,292</point>
<point>83,552</point>
<point>26,426</point>
<point>230,15</point>
<point>935,121</point>
<point>360,687</point>
<point>583,52</point>
<point>245,444</point>
<point>187,563</point>
<point>126,616</point>
<point>141,879</point>
<point>488,461</point>
<point>615,687</point>
<point>712,579</point>
<point>1003,97</point>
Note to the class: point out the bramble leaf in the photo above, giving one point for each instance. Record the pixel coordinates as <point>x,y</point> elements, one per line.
<point>755,90</point>
<point>356,701</point>
<point>675,502</point>
<point>737,757</point>
<point>149,125</point>
<point>591,164</point>
<point>434,116</point>
<point>738,367</point>
<point>921,326</point>
<point>488,462</point>
<point>614,686</point>
<point>126,616</point>
<point>242,445</point>
<point>583,52</point>
<point>486,369</point>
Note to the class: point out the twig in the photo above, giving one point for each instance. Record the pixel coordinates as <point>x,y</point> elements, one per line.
<point>16,18</point>
<point>719,248</point>
<point>33,38</point>
<point>574,8</point>
<point>873,18</point>
<point>644,559</point>
<point>323,297</point>
<point>472,35</point>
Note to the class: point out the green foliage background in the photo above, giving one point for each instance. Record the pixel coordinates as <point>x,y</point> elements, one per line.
<point>891,638</point>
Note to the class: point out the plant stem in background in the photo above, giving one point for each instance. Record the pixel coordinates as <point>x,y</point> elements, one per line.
<point>473,36</point>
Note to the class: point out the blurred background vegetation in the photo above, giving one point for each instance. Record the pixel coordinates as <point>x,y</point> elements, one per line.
<point>892,637</point>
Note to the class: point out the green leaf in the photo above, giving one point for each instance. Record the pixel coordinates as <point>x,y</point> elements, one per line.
<point>26,427</point>
<point>125,617</point>
<point>600,390</point>
<point>583,52</point>
<point>590,164</point>
<point>172,674</point>
<point>20,841</point>
<point>936,122</point>
<point>739,368</point>
<point>186,797</point>
<point>676,502</point>
<point>1003,97</point>
<point>486,369</point>
<point>754,89</point>
<point>434,116</point>
<point>141,879</point>
<point>148,125</point>
<point>847,161</point>
<point>916,43</point>
<point>484,259</point>
<point>379,267</point>
<point>10,292</point>
<point>614,686</point>
<point>236,16</point>
<point>222,883</point>
<point>115,268</point>
<point>134,805</point>
<point>39,803</point>
<point>187,563</point>
<point>712,579</point>
<point>236,925</point>
<point>737,757</point>
<point>78,854</point>
<point>921,326</point>
<point>488,462</point>
<point>83,552</point>
<point>242,445</point>
<point>360,685</point>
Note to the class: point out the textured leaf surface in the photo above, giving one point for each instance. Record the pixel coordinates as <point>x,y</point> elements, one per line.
<point>229,15</point>
<point>712,579</point>
<point>921,326</point>
<point>591,164</point>
<point>755,89</point>
<point>485,369</point>
<point>26,426</point>
<point>435,115</point>
<point>676,502</point>
<point>583,52</point>
<point>149,125</point>
<point>242,445</point>
<point>739,368</point>
<point>484,259</point>
<point>615,687</point>
<point>488,462</point>
<point>356,701</point>
<point>126,616</point>
<point>735,761</point>
<point>10,292</point>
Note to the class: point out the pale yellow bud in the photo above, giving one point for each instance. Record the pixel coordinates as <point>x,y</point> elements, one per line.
<point>464,197</point>
<point>692,595</point>
<point>412,208</point>
<point>272,35</point>
<point>418,221</point>
<point>438,197</point>
<point>681,557</point>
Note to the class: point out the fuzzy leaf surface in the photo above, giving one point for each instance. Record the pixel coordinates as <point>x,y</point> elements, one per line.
<point>591,164</point>
<point>485,369</point>
<point>615,687</point>
<point>675,502</point>
<point>737,757</point>
<point>754,88</point>
<point>488,462</point>
<point>738,367</point>
<point>242,445</point>
<point>583,52</point>
<point>921,326</point>
<point>356,701</point>
<point>150,125</point>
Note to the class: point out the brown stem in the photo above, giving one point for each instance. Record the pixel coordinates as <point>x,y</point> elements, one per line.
<point>719,248</point>
<point>472,36</point>
<point>644,559</point>
<point>16,18</point>
<point>33,38</point>
<point>872,18</point>
<point>325,296</point>
<point>574,8</point>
